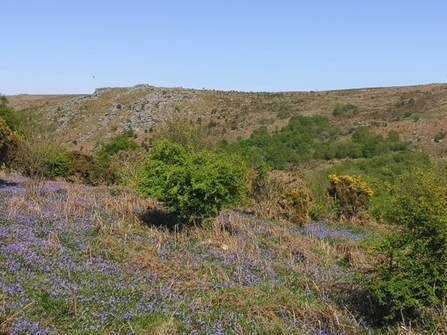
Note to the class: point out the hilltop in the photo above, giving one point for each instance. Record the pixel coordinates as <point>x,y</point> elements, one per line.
<point>80,121</point>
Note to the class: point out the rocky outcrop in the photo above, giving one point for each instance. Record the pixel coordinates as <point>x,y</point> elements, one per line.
<point>111,110</point>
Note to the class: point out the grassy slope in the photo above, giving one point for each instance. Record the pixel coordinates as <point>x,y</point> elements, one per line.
<point>79,260</point>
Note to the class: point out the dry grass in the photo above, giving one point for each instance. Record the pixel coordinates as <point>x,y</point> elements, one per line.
<point>273,272</point>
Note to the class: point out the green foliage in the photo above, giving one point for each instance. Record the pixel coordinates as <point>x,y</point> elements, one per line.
<point>305,138</point>
<point>60,166</point>
<point>194,186</point>
<point>364,144</point>
<point>295,143</point>
<point>351,195</point>
<point>7,113</point>
<point>346,109</point>
<point>439,136</point>
<point>379,172</point>
<point>411,269</point>
<point>116,144</point>
<point>283,114</point>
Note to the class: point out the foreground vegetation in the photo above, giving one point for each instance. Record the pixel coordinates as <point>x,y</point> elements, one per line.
<point>186,236</point>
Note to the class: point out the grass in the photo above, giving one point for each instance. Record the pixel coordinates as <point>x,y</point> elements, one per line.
<point>78,260</point>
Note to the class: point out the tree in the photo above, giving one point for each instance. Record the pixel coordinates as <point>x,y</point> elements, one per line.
<point>194,186</point>
<point>411,272</point>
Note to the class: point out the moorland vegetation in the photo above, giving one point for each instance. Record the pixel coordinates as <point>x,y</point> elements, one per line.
<point>190,235</point>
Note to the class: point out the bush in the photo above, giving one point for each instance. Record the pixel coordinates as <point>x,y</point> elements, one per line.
<point>7,113</point>
<point>347,109</point>
<point>36,157</point>
<point>283,195</point>
<point>60,166</point>
<point>194,186</point>
<point>351,195</point>
<point>439,136</point>
<point>9,143</point>
<point>85,169</point>
<point>411,269</point>
<point>191,136</point>
<point>116,144</point>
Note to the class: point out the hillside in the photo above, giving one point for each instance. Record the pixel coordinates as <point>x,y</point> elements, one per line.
<point>72,263</point>
<point>80,121</point>
<point>194,241</point>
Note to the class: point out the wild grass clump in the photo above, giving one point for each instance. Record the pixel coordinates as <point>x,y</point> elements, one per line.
<point>191,136</point>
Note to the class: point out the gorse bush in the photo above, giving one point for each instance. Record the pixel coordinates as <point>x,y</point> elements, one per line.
<point>194,186</point>
<point>411,269</point>
<point>282,195</point>
<point>351,195</point>
<point>295,205</point>
<point>9,143</point>
<point>86,169</point>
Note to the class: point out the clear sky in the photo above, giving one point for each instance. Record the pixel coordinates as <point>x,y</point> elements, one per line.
<point>75,46</point>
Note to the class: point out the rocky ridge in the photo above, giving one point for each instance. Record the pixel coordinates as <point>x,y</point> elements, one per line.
<point>138,108</point>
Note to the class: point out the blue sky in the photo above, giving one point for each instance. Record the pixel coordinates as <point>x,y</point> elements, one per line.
<point>76,46</point>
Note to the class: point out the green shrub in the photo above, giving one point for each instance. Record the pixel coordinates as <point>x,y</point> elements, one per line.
<point>7,113</point>
<point>194,186</point>
<point>411,271</point>
<point>116,144</point>
<point>59,167</point>
<point>283,114</point>
<point>439,136</point>
<point>347,109</point>
<point>351,195</point>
